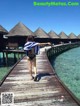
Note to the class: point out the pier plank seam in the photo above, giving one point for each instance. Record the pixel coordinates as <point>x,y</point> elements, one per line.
<point>45,92</point>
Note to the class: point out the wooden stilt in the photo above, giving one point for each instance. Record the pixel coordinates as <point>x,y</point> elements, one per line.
<point>15,59</point>
<point>6,59</point>
<point>18,56</point>
<point>4,62</point>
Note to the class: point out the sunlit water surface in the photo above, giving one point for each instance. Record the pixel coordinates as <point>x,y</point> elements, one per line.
<point>67,66</point>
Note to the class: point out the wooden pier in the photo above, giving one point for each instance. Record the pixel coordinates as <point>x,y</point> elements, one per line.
<point>46,91</point>
<point>15,52</point>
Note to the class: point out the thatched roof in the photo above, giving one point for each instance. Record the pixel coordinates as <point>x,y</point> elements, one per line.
<point>40,33</point>
<point>72,36</point>
<point>79,36</point>
<point>53,35</point>
<point>3,30</point>
<point>62,35</point>
<point>20,30</point>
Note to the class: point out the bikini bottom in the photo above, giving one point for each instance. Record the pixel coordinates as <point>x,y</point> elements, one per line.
<point>32,57</point>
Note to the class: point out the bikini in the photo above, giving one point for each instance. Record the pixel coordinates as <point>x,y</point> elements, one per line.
<point>31,55</point>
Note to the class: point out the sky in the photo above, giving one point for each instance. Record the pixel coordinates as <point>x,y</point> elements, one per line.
<point>56,18</point>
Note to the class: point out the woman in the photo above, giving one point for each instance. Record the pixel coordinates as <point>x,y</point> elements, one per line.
<point>32,49</point>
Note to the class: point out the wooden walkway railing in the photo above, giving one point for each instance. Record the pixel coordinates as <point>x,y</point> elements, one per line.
<point>46,91</point>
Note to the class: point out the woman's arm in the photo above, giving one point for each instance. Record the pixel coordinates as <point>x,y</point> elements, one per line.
<point>42,44</point>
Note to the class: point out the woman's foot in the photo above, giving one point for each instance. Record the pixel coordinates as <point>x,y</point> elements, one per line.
<point>35,78</point>
<point>32,77</point>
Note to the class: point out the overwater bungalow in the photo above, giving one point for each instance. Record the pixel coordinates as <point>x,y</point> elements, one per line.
<point>3,41</point>
<point>18,34</point>
<point>63,37</point>
<point>41,35</point>
<point>72,37</point>
<point>79,37</point>
<point>54,38</point>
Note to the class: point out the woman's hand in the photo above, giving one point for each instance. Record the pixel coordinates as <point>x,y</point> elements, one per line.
<point>49,43</point>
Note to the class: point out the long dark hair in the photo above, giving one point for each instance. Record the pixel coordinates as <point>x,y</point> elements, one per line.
<point>30,38</point>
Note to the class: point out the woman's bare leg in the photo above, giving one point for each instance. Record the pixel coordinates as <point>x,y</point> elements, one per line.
<point>30,67</point>
<point>34,66</point>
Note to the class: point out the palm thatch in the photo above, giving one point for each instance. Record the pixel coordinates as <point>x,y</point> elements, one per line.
<point>79,36</point>
<point>72,36</point>
<point>3,31</point>
<point>53,35</point>
<point>40,33</point>
<point>20,30</point>
<point>62,35</point>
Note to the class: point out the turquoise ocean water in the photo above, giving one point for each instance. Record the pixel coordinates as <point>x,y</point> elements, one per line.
<point>67,66</point>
